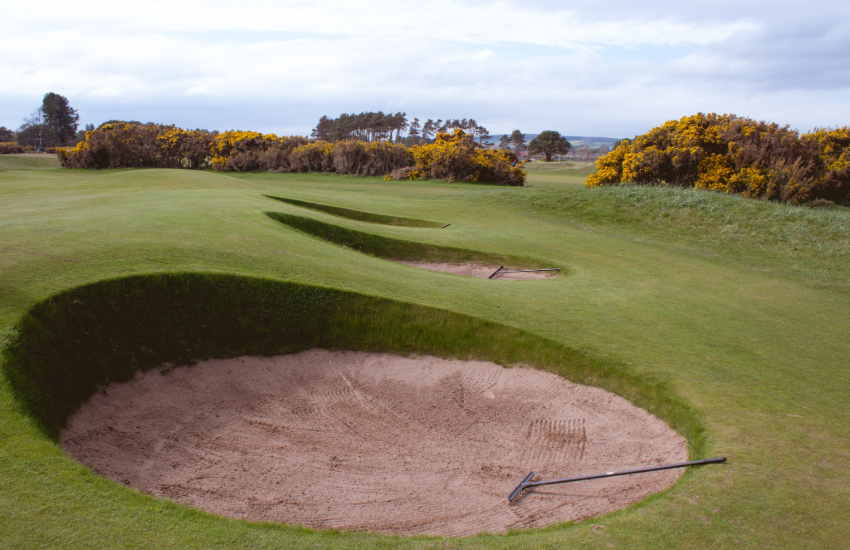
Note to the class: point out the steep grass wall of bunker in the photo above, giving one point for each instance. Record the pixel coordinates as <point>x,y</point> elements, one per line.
<point>80,340</point>
<point>359,215</point>
<point>399,249</point>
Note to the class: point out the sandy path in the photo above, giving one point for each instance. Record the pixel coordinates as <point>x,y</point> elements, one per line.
<point>357,441</point>
<point>480,271</point>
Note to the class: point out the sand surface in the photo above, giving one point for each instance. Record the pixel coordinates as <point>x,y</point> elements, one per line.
<point>480,271</point>
<point>357,441</point>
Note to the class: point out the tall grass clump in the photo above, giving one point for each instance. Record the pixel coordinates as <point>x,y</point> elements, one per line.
<point>813,242</point>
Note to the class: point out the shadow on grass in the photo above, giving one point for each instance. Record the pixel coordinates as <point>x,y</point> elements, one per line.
<point>399,249</point>
<point>70,345</point>
<point>358,215</point>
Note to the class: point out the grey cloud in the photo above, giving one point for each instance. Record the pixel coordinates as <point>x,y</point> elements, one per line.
<point>808,56</point>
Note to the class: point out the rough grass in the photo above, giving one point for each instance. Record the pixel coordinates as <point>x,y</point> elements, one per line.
<point>756,347</point>
<point>814,242</point>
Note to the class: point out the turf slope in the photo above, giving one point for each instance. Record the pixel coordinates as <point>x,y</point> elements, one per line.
<point>751,332</point>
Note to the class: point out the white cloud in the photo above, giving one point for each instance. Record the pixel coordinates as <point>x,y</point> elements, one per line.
<point>611,65</point>
<point>198,90</point>
<point>106,91</point>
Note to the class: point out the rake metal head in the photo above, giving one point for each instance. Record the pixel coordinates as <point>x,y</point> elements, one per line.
<point>520,489</point>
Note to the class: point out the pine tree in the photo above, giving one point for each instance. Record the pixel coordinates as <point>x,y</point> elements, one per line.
<point>400,124</point>
<point>414,128</point>
<point>428,130</point>
<point>323,129</point>
<point>504,142</point>
<point>59,117</point>
<point>483,136</point>
<point>517,139</point>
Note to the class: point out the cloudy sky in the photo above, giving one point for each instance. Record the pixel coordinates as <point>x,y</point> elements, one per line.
<point>604,67</point>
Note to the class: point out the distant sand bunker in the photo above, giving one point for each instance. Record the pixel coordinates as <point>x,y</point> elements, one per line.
<point>480,271</point>
<point>357,441</point>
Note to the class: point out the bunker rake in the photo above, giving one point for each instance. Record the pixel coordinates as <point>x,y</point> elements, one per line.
<point>527,482</point>
<point>499,271</point>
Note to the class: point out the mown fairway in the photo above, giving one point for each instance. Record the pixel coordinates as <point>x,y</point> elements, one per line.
<point>740,307</point>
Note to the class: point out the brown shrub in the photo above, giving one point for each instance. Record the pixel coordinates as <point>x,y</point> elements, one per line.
<point>276,158</point>
<point>349,157</point>
<point>312,157</point>
<point>11,148</point>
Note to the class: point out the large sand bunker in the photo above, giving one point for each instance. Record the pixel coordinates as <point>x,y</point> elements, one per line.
<point>481,271</point>
<point>358,441</point>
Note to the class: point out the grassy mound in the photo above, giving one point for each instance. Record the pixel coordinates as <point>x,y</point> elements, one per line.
<point>359,215</point>
<point>69,345</point>
<point>399,249</point>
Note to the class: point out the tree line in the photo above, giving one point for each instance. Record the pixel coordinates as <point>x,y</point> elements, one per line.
<point>734,154</point>
<point>377,126</point>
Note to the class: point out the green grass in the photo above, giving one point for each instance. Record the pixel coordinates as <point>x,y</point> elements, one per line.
<point>727,317</point>
<point>555,167</point>
<point>813,243</point>
<point>399,249</point>
<point>552,174</point>
<point>358,215</point>
<point>29,162</point>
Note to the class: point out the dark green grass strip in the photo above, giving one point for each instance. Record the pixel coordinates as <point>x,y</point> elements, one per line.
<point>359,215</point>
<point>399,249</point>
<point>75,342</point>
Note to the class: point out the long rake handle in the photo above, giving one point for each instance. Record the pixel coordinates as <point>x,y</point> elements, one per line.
<point>526,483</point>
<point>529,270</point>
<point>499,271</point>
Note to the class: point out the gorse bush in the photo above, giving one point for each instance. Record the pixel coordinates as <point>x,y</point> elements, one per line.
<point>185,148</point>
<point>239,151</point>
<point>384,158</point>
<point>312,157</point>
<point>349,156</point>
<point>10,148</point>
<point>455,157</point>
<point>131,144</point>
<point>734,155</point>
<point>277,157</point>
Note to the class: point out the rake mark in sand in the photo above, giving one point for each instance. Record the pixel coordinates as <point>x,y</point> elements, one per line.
<point>359,441</point>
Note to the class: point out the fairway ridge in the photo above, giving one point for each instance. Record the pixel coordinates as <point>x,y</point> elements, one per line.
<point>359,215</point>
<point>432,257</point>
<point>374,442</point>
